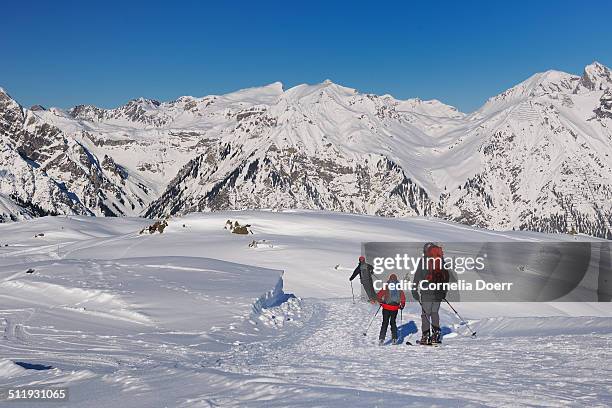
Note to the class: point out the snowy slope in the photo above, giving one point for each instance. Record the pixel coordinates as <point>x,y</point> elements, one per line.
<point>49,172</point>
<point>197,317</point>
<point>10,211</point>
<point>330,239</point>
<point>535,157</point>
<point>543,157</point>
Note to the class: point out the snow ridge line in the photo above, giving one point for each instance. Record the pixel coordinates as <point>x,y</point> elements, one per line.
<point>276,308</point>
<point>271,298</point>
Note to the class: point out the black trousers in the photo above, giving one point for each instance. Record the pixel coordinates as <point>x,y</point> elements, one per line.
<point>388,316</point>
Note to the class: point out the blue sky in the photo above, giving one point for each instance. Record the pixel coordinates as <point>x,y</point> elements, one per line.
<point>461,52</point>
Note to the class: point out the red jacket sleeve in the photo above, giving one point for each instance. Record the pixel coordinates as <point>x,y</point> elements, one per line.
<point>381,295</point>
<point>402,299</point>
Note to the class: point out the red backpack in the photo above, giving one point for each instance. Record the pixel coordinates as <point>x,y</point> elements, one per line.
<point>434,258</point>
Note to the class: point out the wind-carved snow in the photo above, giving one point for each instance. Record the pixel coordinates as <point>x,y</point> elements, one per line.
<point>535,157</point>
<point>134,320</point>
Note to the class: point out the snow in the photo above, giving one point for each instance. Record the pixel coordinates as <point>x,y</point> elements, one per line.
<point>10,211</point>
<point>196,317</point>
<point>517,162</point>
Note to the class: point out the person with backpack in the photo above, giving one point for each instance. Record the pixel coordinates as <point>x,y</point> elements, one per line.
<point>391,300</point>
<point>365,272</point>
<point>432,271</point>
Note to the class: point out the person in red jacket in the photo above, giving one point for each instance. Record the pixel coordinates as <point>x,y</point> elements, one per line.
<point>391,300</point>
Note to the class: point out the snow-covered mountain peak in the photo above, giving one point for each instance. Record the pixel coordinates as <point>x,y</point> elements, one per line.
<point>86,112</point>
<point>255,95</point>
<point>144,102</point>
<point>544,83</point>
<point>4,96</point>
<point>327,146</point>
<point>314,93</point>
<point>184,99</point>
<point>596,77</point>
<point>141,111</point>
<point>432,107</point>
<point>59,112</point>
<point>596,66</point>
<point>275,87</point>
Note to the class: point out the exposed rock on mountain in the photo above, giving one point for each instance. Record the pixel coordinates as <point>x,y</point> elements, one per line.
<point>537,156</point>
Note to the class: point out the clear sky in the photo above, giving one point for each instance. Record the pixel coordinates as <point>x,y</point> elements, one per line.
<point>462,52</point>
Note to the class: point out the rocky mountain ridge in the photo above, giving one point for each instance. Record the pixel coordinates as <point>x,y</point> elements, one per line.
<point>537,156</point>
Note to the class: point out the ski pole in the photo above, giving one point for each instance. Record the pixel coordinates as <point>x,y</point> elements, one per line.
<point>371,320</point>
<point>401,319</point>
<point>460,318</point>
<point>352,291</point>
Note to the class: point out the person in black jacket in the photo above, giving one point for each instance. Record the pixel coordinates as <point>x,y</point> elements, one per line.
<point>365,272</point>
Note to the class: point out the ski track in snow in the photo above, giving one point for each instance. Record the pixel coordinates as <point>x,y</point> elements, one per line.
<point>324,360</point>
<point>330,352</point>
<point>163,328</point>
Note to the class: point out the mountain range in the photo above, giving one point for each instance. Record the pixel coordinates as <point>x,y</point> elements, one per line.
<point>535,157</point>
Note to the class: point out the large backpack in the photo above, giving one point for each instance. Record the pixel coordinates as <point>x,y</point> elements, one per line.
<point>435,265</point>
<point>393,297</point>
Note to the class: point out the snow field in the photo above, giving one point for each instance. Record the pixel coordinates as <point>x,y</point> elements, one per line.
<point>196,317</point>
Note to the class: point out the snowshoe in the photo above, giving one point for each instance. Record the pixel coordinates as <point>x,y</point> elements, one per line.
<point>425,339</point>
<point>394,342</point>
<point>428,344</point>
<point>436,338</point>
